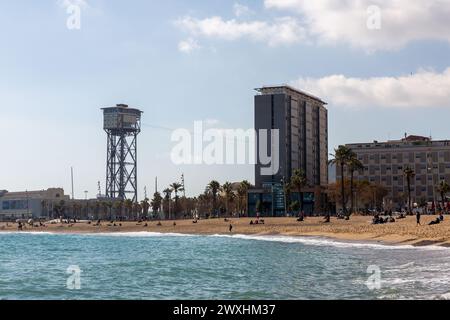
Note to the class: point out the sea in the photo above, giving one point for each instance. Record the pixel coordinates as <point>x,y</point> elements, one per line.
<point>153,266</point>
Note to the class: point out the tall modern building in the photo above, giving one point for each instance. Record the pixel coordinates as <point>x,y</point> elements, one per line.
<point>302,122</point>
<point>384,164</point>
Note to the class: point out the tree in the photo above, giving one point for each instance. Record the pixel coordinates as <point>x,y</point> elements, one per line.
<point>156,202</point>
<point>443,188</point>
<point>118,208</point>
<point>60,208</point>
<point>145,207</point>
<point>353,165</point>
<point>110,206</point>
<point>298,182</point>
<point>295,206</point>
<point>213,187</point>
<point>176,187</point>
<point>409,174</point>
<point>242,196</point>
<point>128,207</point>
<point>104,206</point>
<point>168,197</point>
<point>137,210</point>
<point>363,194</point>
<point>340,158</point>
<point>227,189</point>
<point>335,191</point>
<point>204,204</point>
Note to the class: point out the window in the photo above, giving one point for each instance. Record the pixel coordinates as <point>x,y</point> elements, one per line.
<point>5,205</point>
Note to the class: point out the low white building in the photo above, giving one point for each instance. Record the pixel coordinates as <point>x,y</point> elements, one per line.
<point>30,204</point>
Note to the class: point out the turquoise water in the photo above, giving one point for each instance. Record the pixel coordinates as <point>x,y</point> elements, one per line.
<point>155,266</point>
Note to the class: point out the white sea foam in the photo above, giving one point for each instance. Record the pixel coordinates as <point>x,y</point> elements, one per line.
<point>141,234</point>
<point>319,241</point>
<point>307,240</point>
<point>27,232</point>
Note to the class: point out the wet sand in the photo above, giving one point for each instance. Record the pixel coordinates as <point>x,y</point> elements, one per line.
<point>402,232</point>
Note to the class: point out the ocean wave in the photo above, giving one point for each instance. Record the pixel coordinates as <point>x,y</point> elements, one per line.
<point>27,232</point>
<point>140,234</point>
<point>306,240</point>
<point>326,242</point>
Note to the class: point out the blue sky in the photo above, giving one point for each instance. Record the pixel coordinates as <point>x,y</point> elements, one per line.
<point>53,80</point>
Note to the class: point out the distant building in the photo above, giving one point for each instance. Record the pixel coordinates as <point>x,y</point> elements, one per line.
<point>302,121</point>
<point>384,164</point>
<point>29,204</point>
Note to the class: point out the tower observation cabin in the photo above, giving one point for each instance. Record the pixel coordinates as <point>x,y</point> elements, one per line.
<point>122,125</point>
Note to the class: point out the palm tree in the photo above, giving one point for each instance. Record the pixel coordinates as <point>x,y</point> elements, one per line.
<point>60,208</point>
<point>294,206</point>
<point>156,202</point>
<point>409,174</point>
<point>110,206</point>
<point>340,158</point>
<point>137,210</point>
<point>118,206</point>
<point>104,205</point>
<point>242,196</point>
<point>203,203</point>
<point>213,187</point>
<point>168,197</point>
<point>353,165</point>
<point>443,188</point>
<point>128,204</point>
<point>298,182</point>
<point>176,187</point>
<point>145,207</point>
<point>227,189</point>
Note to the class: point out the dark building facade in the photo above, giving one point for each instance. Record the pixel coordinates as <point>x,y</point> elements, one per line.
<point>302,122</point>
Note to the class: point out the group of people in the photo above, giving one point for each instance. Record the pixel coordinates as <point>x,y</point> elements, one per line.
<point>438,220</point>
<point>377,219</point>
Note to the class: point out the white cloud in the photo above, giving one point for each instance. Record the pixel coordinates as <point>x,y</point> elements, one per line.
<point>241,10</point>
<point>280,31</point>
<point>423,89</point>
<point>402,21</point>
<point>189,45</point>
<point>332,22</point>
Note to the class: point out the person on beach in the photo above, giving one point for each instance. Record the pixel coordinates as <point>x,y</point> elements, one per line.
<point>418,216</point>
<point>437,221</point>
<point>231,227</point>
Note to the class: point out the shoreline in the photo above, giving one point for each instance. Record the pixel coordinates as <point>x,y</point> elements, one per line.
<point>358,229</point>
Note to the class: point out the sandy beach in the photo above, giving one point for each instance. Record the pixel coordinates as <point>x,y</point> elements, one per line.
<point>359,228</point>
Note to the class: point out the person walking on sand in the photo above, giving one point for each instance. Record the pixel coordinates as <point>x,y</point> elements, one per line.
<point>418,217</point>
<point>231,227</point>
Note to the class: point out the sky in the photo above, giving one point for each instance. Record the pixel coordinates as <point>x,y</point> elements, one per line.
<point>382,66</point>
